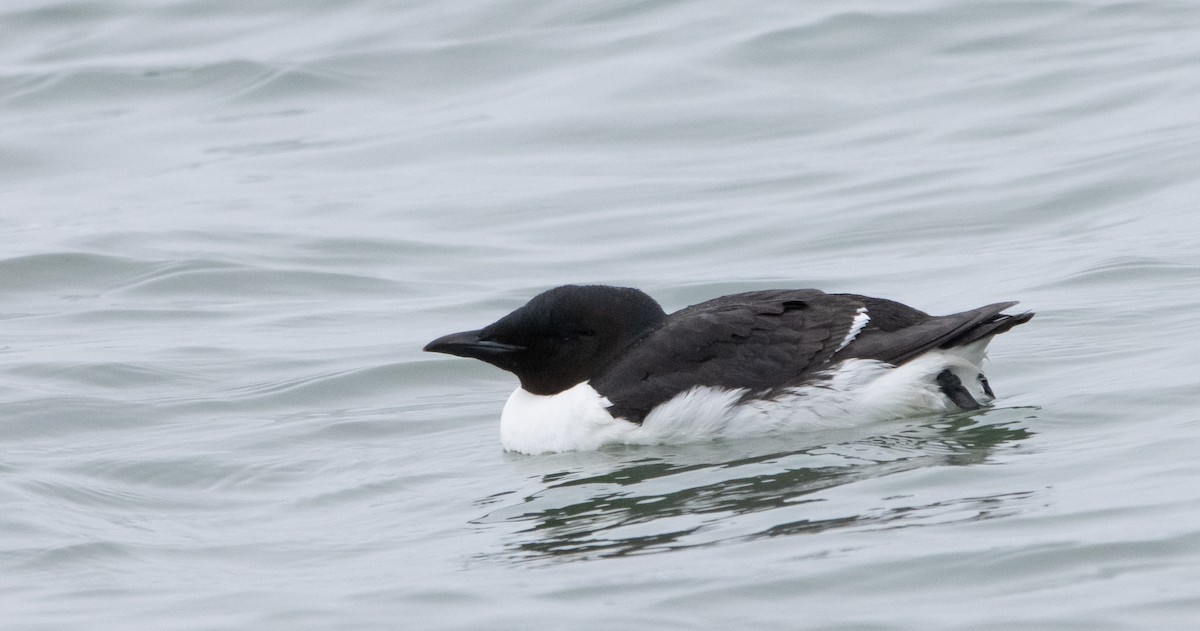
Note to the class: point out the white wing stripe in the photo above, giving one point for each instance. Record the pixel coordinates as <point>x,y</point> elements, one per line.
<point>856,327</point>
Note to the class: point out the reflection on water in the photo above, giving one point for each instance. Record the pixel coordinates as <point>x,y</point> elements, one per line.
<point>682,499</point>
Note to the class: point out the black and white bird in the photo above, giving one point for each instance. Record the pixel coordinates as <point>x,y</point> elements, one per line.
<point>601,365</point>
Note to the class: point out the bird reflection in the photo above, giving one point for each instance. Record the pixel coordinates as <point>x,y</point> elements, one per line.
<point>689,497</point>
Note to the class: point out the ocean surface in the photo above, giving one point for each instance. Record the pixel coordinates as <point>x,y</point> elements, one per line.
<point>227,228</point>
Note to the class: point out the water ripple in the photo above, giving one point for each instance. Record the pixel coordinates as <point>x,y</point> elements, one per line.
<point>651,506</point>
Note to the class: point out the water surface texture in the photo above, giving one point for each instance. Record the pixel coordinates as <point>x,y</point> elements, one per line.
<point>227,228</point>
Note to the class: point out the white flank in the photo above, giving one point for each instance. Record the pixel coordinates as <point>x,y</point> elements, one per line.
<point>857,391</point>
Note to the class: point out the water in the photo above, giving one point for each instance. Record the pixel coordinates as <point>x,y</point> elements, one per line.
<point>229,227</point>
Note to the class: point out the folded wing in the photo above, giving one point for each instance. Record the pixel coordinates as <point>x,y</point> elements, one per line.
<point>764,340</point>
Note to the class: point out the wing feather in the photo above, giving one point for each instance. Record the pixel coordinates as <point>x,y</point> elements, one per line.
<point>757,340</point>
<point>765,340</point>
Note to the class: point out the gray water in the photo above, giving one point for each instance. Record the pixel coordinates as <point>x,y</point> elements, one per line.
<point>227,228</point>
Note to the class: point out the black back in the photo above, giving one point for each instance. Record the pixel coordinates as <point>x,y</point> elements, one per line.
<point>766,340</point>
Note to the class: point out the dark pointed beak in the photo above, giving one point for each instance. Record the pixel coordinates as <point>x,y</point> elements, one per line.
<point>468,344</point>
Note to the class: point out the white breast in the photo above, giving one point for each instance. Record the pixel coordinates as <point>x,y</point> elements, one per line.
<point>574,419</point>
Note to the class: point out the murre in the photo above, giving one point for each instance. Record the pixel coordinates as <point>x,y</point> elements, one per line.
<point>601,365</point>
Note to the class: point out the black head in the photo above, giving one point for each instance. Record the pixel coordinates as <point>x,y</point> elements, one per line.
<point>562,337</point>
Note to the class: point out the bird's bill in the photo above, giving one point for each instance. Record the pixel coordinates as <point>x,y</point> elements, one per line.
<point>468,344</point>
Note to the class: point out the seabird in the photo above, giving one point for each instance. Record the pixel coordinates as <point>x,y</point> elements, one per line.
<point>601,365</point>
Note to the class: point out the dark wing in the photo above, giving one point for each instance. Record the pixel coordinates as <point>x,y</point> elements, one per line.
<point>758,340</point>
<point>897,333</point>
<point>765,340</point>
